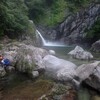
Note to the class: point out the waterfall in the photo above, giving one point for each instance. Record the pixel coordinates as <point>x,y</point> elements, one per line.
<point>49,43</point>
<point>43,40</point>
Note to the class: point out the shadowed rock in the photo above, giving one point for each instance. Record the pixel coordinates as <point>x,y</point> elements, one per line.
<point>96,46</point>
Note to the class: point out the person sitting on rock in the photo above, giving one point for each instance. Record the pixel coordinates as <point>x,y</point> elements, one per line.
<point>1,57</point>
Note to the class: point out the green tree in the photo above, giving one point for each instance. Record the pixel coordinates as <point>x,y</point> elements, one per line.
<point>36,9</point>
<point>51,12</point>
<point>94,32</point>
<point>57,12</point>
<point>13,17</point>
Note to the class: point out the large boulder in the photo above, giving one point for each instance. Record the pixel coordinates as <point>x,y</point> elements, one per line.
<point>96,46</point>
<point>58,68</point>
<point>90,74</point>
<point>85,70</point>
<point>30,58</point>
<point>24,57</point>
<point>94,79</point>
<point>79,53</point>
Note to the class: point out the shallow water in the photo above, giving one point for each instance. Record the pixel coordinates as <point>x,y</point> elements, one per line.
<point>62,52</point>
<point>18,86</point>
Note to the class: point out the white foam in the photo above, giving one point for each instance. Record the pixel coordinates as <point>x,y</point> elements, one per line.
<point>49,43</point>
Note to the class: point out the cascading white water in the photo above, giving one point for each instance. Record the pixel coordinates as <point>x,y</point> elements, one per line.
<point>43,40</point>
<point>49,43</point>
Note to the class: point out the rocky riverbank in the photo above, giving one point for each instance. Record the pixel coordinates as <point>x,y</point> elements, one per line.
<point>35,62</point>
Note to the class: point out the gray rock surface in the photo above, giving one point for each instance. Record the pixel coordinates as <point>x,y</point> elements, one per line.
<point>90,74</point>
<point>30,57</point>
<point>24,57</point>
<point>80,53</point>
<point>85,70</point>
<point>58,68</point>
<point>94,79</point>
<point>72,30</point>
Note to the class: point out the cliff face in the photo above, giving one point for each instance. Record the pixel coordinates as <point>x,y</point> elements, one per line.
<point>72,30</point>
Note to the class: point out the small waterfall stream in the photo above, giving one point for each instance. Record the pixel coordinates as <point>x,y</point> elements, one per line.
<point>49,43</point>
<point>39,34</point>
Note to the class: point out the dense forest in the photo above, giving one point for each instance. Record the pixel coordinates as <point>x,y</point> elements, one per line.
<point>53,11</point>
<point>15,14</point>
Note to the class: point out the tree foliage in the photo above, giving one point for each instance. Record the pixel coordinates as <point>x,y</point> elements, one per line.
<point>36,9</point>
<point>51,12</point>
<point>57,13</point>
<point>94,32</point>
<point>14,13</point>
<point>13,16</point>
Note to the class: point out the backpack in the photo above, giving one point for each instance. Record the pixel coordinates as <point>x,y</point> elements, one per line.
<point>6,62</point>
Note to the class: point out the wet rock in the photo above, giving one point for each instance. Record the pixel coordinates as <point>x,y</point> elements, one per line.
<point>52,52</point>
<point>96,46</point>
<point>58,68</point>
<point>80,53</point>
